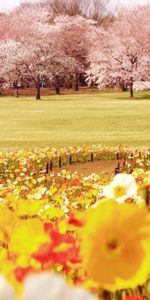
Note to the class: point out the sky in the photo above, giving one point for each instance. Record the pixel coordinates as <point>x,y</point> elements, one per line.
<point>10,4</point>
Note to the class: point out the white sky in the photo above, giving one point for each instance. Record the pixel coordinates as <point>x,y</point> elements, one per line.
<point>9,4</point>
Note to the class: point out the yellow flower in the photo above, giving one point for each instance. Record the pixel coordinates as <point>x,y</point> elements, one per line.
<point>115,245</point>
<point>8,220</point>
<point>27,237</point>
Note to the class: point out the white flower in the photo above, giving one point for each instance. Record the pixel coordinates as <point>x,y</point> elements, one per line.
<point>44,286</point>
<point>79,294</point>
<point>6,291</point>
<point>52,287</point>
<point>121,188</point>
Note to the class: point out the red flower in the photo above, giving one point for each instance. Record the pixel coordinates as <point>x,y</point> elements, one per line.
<point>74,221</point>
<point>21,273</point>
<point>61,249</point>
<point>134,297</point>
<point>76,182</point>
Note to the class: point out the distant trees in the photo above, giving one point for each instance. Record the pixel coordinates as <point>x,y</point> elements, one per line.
<point>97,10</point>
<point>62,41</point>
<point>23,23</point>
<point>56,51</point>
<point>121,54</point>
<point>75,38</point>
<point>11,69</point>
<point>62,7</point>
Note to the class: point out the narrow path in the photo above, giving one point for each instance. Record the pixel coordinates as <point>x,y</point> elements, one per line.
<point>88,168</point>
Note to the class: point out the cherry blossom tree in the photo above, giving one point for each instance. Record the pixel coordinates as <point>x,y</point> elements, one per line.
<point>121,55</point>
<point>23,23</point>
<point>10,71</point>
<point>66,42</point>
<point>40,59</point>
<point>75,38</point>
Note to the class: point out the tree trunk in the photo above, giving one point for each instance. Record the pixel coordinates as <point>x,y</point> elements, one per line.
<point>57,89</point>
<point>15,85</point>
<point>131,88</point>
<point>17,92</point>
<point>38,92</point>
<point>77,83</point>
<point>124,87</point>
<point>56,84</point>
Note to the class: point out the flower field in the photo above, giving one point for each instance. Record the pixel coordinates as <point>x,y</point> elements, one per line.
<point>93,232</point>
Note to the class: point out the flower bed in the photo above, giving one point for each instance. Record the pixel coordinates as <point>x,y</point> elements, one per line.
<point>94,231</point>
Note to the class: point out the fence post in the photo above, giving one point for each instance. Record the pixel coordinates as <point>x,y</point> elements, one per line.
<point>124,161</point>
<point>132,155</point>
<point>117,156</point>
<point>60,162</point>
<point>117,169</point>
<point>148,198</point>
<point>47,168</point>
<point>70,160</point>
<point>92,157</point>
<point>51,165</point>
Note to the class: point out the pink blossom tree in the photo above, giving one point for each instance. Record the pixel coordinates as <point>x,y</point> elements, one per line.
<point>23,23</point>
<point>122,53</point>
<point>12,70</point>
<point>75,39</point>
<point>36,60</point>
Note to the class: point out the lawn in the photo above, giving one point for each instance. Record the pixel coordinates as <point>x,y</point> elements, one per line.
<point>107,119</point>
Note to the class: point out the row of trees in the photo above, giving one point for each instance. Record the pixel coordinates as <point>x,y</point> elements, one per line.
<point>60,41</point>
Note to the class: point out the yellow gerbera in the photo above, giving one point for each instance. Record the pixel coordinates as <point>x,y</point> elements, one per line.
<point>115,245</point>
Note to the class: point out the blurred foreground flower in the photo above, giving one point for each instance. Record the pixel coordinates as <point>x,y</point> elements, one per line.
<point>121,188</point>
<point>44,286</point>
<point>6,291</point>
<point>115,243</point>
<point>134,297</point>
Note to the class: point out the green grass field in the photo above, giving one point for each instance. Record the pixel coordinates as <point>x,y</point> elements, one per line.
<point>107,119</point>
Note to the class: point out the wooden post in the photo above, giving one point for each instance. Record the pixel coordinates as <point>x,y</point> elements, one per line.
<point>51,165</point>
<point>92,157</point>
<point>47,168</point>
<point>148,197</point>
<point>117,169</point>
<point>131,171</point>
<point>132,155</point>
<point>70,160</point>
<point>124,161</point>
<point>117,155</point>
<point>60,162</point>
<point>118,166</point>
